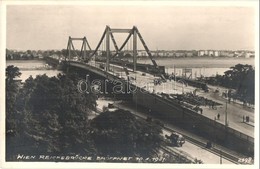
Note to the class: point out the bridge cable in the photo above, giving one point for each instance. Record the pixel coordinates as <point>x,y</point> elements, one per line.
<point>145,47</point>
<point>88,44</point>
<point>103,36</point>
<point>74,49</point>
<point>67,51</point>
<point>81,49</point>
<point>113,40</point>
<point>123,45</point>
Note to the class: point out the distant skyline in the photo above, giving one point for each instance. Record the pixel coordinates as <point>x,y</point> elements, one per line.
<point>162,27</point>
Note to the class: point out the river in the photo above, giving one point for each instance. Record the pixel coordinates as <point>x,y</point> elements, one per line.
<point>202,66</point>
<point>25,66</point>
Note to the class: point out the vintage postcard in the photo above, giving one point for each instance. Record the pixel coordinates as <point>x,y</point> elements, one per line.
<point>129,84</point>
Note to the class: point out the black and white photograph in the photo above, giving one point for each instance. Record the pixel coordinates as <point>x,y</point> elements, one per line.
<point>137,84</point>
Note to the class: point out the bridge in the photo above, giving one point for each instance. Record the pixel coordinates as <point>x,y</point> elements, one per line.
<point>164,96</point>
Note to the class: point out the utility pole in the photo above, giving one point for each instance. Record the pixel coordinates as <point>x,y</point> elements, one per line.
<point>107,48</point>
<point>226,122</point>
<point>174,70</point>
<point>134,50</point>
<point>84,48</point>
<point>69,47</point>
<point>174,78</point>
<point>220,155</point>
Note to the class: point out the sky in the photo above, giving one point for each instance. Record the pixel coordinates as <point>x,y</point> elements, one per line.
<point>42,27</point>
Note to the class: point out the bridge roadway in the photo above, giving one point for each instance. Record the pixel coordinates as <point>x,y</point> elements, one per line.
<point>235,111</point>
<point>189,148</point>
<point>244,131</point>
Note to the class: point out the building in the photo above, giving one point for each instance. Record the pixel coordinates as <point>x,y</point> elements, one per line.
<point>216,53</point>
<point>249,54</point>
<point>226,53</point>
<point>211,53</point>
<point>201,53</point>
<point>142,53</point>
<point>188,54</point>
<point>170,54</point>
<point>179,54</point>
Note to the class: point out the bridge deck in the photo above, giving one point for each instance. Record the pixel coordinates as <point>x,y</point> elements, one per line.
<point>235,112</point>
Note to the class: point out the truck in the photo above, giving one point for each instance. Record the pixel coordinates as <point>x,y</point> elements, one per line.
<point>176,139</point>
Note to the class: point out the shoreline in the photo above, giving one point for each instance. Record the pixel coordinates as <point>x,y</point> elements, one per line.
<point>200,62</point>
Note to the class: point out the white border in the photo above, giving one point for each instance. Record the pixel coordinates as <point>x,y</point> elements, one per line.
<point>4,3</point>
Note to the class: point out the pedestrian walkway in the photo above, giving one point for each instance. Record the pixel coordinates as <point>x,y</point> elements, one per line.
<point>223,89</point>
<point>234,112</point>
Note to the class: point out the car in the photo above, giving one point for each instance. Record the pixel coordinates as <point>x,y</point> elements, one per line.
<point>176,139</point>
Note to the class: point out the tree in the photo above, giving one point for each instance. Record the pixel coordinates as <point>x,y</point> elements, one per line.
<point>12,117</point>
<point>64,52</point>
<point>119,133</point>
<point>74,112</point>
<point>54,117</point>
<point>241,78</point>
<point>12,72</point>
<point>11,95</point>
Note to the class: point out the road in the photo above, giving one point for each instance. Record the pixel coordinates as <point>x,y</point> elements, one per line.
<point>235,111</point>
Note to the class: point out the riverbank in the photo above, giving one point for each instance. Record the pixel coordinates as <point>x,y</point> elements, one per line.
<point>199,62</point>
<point>32,68</point>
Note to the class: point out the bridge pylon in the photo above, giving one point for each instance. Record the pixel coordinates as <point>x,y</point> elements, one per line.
<point>71,49</point>
<point>108,34</point>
